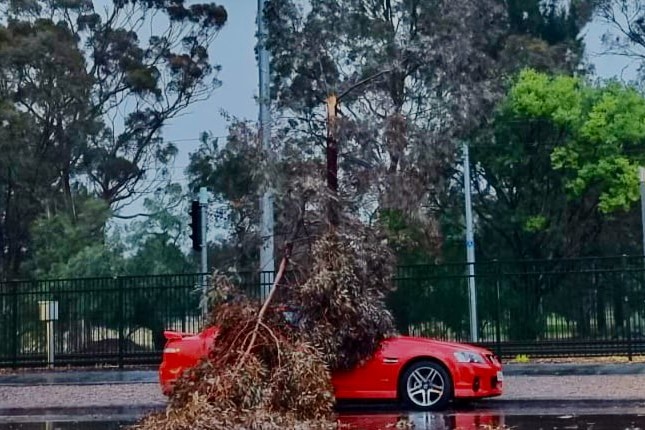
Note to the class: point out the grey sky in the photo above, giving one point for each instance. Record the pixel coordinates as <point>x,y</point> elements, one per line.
<point>234,51</point>
<point>607,66</point>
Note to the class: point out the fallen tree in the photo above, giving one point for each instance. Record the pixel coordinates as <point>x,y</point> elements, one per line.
<point>264,372</point>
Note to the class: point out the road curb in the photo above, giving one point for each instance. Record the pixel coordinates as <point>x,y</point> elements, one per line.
<point>572,369</point>
<point>93,413</point>
<point>82,377</point>
<point>115,377</point>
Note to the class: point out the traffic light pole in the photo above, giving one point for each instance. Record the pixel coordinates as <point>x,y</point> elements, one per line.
<point>203,205</point>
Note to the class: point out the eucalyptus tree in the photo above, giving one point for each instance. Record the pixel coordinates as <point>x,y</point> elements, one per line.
<point>411,77</point>
<point>87,89</point>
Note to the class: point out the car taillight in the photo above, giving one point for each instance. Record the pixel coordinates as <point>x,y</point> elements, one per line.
<point>171,350</point>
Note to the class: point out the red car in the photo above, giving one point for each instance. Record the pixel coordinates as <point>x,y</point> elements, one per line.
<point>425,374</point>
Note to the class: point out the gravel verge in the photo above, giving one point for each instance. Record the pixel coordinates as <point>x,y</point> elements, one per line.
<point>61,396</point>
<point>579,387</point>
<point>525,388</point>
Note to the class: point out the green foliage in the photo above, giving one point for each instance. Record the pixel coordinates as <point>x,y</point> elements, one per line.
<point>158,256</point>
<point>408,238</point>
<point>515,185</point>
<point>542,96</point>
<point>98,260</point>
<point>154,243</point>
<point>67,246</point>
<point>229,171</point>
<point>606,126</point>
<point>522,358</point>
<point>558,164</point>
<point>535,223</point>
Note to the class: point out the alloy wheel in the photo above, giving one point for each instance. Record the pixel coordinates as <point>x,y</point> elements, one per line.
<point>425,386</point>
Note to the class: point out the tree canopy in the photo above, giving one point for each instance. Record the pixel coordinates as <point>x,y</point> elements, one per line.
<point>84,94</point>
<point>561,160</point>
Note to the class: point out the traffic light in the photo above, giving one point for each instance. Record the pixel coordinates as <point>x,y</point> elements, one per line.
<point>196,225</point>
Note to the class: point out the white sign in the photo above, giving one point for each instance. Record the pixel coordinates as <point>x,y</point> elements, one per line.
<point>48,310</point>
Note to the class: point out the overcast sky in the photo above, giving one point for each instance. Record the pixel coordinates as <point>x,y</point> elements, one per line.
<point>234,51</point>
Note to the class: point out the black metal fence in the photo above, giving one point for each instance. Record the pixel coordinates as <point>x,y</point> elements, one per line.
<point>550,308</point>
<point>103,320</point>
<point>582,307</point>
<point>117,321</point>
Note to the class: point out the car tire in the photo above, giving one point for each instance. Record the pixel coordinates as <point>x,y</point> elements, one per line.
<point>426,386</point>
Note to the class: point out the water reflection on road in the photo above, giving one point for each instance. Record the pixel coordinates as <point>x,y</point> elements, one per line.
<point>416,420</point>
<point>492,421</point>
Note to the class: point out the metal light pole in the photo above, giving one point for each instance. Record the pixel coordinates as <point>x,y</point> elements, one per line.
<point>266,201</point>
<point>470,247</point>
<point>203,207</point>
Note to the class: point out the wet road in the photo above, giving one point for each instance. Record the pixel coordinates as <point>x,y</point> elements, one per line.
<point>421,421</point>
<point>562,397</point>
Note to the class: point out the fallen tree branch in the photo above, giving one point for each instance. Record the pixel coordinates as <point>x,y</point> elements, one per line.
<point>265,306</point>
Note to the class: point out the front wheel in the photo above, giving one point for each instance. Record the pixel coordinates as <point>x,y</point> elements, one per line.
<point>426,386</point>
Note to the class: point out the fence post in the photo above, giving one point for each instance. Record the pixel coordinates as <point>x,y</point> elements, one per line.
<point>626,310</point>
<point>121,313</point>
<point>498,319</point>
<point>628,327</point>
<point>15,331</point>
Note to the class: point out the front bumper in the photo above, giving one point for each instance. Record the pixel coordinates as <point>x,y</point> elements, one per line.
<point>474,381</point>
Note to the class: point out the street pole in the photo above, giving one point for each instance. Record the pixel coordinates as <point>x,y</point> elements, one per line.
<point>203,207</point>
<point>266,201</point>
<point>470,247</point>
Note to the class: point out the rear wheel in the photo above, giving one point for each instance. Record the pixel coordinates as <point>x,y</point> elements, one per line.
<point>426,385</point>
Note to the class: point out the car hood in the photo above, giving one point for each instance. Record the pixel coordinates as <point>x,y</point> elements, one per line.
<point>455,346</point>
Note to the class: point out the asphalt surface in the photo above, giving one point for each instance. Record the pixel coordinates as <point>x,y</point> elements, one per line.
<point>530,404</point>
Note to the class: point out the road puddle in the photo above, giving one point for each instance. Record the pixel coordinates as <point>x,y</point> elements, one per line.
<point>492,421</point>
<point>411,420</point>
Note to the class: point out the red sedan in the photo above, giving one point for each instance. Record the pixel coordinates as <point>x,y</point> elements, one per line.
<point>423,373</point>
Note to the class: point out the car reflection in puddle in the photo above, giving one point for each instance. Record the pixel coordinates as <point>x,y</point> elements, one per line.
<point>411,420</point>
<point>490,421</point>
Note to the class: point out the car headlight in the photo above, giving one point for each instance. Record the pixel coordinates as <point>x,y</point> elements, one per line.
<point>469,357</point>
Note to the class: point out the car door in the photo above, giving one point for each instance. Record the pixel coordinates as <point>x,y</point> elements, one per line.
<point>374,379</point>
